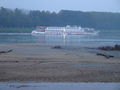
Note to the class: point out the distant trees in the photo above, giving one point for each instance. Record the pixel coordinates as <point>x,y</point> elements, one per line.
<point>98,20</point>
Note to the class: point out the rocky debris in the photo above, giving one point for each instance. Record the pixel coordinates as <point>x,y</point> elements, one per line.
<point>56,47</point>
<point>105,55</point>
<point>19,86</point>
<point>1,52</point>
<point>110,48</point>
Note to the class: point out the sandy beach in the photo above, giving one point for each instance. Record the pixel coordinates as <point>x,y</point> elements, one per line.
<point>42,63</point>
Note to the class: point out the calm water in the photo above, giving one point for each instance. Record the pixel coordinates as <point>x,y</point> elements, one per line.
<point>104,37</point>
<point>59,86</point>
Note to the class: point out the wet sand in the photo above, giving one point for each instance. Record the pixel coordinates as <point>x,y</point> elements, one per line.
<point>42,63</point>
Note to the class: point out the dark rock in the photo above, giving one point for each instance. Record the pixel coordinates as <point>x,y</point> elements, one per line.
<point>110,48</point>
<point>57,47</point>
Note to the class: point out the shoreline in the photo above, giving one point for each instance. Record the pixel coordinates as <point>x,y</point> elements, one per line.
<point>42,63</point>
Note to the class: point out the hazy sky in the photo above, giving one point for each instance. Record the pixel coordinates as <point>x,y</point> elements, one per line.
<point>56,5</point>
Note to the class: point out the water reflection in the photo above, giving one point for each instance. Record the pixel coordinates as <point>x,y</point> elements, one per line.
<point>73,39</point>
<point>59,39</point>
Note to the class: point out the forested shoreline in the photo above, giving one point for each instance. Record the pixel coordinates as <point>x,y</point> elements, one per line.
<point>16,30</point>
<point>18,18</point>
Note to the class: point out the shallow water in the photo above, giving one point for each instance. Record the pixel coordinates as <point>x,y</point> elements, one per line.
<point>59,86</point>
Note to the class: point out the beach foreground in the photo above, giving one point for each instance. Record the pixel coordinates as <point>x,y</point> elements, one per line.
<point>43,63</point>
<point>58,86</point>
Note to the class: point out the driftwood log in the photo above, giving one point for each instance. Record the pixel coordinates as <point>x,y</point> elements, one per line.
<point>105,55</point>
<point>1,52</point>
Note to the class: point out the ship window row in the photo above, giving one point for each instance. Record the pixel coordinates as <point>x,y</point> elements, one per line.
<point>63,28</point>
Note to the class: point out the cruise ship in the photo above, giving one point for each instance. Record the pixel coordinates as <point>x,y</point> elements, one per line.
<point>68,30</point>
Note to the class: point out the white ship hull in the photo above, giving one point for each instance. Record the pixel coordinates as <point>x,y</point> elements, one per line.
<point>63,31</point>
<point>66,33</point>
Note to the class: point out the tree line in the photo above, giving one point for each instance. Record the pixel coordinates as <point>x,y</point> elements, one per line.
<point>21,19</point>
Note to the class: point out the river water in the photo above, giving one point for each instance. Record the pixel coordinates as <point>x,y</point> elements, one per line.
<point>104,37</point>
